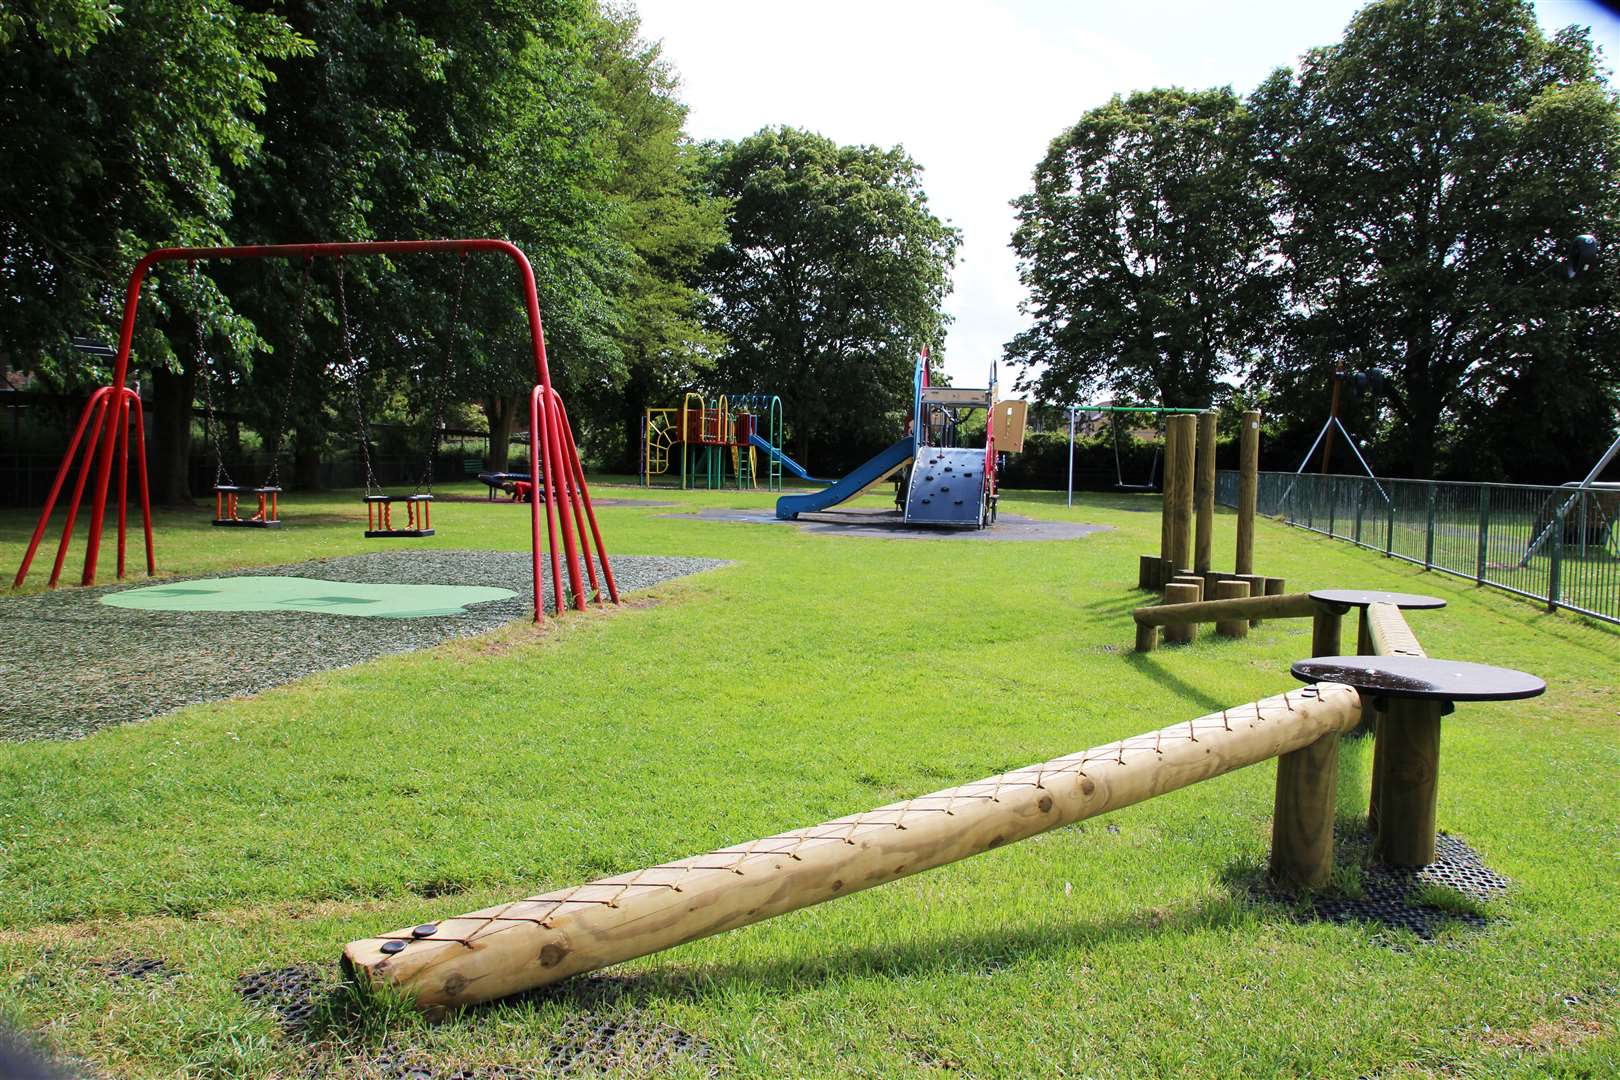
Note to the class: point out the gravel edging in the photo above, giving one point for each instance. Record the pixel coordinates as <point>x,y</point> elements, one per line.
<point>71,665</point>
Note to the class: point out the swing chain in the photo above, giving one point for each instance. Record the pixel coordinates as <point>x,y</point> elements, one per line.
<point>443,389</point>
<point>222,478</point>
<point>274,477</point>
<point>353,371</point>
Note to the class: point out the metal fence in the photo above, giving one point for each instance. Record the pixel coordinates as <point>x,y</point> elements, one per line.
<point>1558,545</point>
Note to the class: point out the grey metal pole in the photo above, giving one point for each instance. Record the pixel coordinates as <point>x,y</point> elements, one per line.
<point>1071,456</point>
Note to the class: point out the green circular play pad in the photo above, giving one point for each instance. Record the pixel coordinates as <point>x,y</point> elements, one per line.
<point>370,599</point>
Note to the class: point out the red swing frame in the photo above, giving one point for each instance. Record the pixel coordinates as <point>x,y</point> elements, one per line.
<point>110,410</point>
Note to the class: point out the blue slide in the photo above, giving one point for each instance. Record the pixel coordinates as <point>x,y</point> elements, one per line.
<point>789,507</point>
<point>787,463</point>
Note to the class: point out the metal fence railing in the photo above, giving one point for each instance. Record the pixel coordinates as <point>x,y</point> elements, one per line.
<point>1558,545</point>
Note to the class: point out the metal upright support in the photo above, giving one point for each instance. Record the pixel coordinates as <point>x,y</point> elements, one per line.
<point>1071,456</point>
<point>1428,534</point>
<point>1484,533</point>
<point>1361,510</point>
<point>1555,548</point>
<point>1389,530</point>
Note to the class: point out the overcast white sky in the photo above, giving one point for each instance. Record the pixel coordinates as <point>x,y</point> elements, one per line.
<point>975,89</point>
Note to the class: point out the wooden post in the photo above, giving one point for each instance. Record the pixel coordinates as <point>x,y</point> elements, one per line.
<point>1273,587</point>
<point>1147,637</point>
<point>544,939</point>
<point>1325,631</point>
<point>1147,572</point>
<point>1256,584</point>
<point>1181,594</point>
<point>1302,815</point>
<point>1181,521</point>
<point>1204,492</point>
<point>1167,499</point>
<point>1387,635</point>
<point>1232,589</point>
<point>1409,728</point>
<point>1184,578</point>
<point>1248,490</point>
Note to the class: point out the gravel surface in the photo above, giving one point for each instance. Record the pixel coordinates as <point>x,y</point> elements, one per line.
<point>70,665</point>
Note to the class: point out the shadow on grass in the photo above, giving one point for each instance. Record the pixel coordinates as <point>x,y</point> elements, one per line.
<point>1148,665</point>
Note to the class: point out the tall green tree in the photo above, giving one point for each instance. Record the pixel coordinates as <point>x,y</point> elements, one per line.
<point>117,126</point>
<point>1145,248</point>
<point>668,223</point>
<point>1428,170</point>
<point>832,276</point>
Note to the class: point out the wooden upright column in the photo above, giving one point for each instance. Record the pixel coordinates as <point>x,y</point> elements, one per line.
<point>1326,631</point>
<point>1248,490</point>
<point>1167,501</point>
<point>1181,593</point>
<point>1204,493</point>
<point>1231,589</point>
<point>1409,730</point>
<point>1302,816</point>
<point>1181,519</point>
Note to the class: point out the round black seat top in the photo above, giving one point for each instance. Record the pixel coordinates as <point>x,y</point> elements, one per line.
<point>1362,597</point>
<point>1420,677</point>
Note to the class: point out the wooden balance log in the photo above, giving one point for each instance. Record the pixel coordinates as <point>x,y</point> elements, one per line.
<point>543,939</point>
<point>1282,606</point>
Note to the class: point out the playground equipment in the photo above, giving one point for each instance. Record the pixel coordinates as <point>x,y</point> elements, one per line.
<point>1188,518</point>
<point>227,493</point>
<point>543,939</point>
<point>419,503</point>
<point>712,433</point>
<point>552,451</point>
<point>1360,382</point>
<point>1113,412</point>
<point>945,483</point>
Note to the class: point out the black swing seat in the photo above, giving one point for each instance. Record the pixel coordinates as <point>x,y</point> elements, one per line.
<point>225,506</point>
<point>379,519</point>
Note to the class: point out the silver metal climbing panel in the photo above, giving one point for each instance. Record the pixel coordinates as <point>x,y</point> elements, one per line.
<point>946,488</point>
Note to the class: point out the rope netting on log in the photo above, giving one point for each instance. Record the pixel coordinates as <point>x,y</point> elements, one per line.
<point>542,939</point>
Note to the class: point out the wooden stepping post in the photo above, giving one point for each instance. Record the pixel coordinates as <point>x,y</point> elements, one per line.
<point>1232,589</point>
<point>1302,814</point>
<point>1409,729</point>
<point>1326,629</point>
<point>1181,594</point>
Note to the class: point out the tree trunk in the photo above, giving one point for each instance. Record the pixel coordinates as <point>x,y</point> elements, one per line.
<point>632,415</point>
<point>171,435</point>
<point>501,412</point>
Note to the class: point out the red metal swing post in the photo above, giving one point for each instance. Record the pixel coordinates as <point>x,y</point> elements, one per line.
<point>110,407</point>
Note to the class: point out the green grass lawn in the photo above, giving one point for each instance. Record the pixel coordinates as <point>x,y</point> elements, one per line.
<point>815,676</point>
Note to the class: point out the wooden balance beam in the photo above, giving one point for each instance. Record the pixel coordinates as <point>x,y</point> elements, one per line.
<point>1150,619</point>
<point>543,939</point>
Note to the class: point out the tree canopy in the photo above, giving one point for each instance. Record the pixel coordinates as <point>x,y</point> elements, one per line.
<point>1144,249</point>
<point>1400,202</point>
<point>1428,171</point>
<point>832,277</point>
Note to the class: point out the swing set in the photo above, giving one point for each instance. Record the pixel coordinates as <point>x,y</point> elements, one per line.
<point>113,415</point>
<point>1114,412</point>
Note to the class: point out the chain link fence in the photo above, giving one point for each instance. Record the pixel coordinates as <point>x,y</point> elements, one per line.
<point>1557,545</point>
